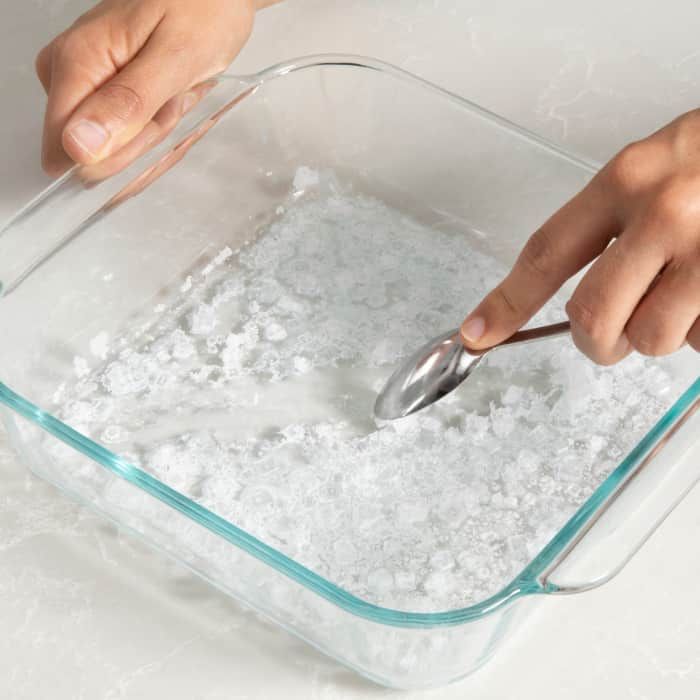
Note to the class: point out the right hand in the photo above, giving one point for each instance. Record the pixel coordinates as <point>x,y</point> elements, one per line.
<point>123,74</point>
<point>638,222</point>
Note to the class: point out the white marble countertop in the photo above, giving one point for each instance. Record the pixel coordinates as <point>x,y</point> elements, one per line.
<point>89,614</point>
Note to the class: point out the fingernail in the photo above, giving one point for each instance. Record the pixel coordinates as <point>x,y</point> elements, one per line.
<point>89,136</point>
<point>473,328</point>
<point>189,101</point>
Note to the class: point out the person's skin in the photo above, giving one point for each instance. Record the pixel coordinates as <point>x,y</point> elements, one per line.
<point>639,219</point>
<point>127,70</point>
<point>121,77</point>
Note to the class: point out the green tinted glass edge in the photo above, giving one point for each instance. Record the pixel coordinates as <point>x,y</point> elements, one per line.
<point>525,583</point>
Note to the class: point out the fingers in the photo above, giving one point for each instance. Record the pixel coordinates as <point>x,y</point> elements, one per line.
<point>109,74</point>
<point>643,292</point>
<point>83,58</point>
<point>150,135</point>
<point>109,118</point>
<point>608,294</point>
<point>663,319</point>
<point>163,122</point>
<point>567,242</point>
<point>68,84</point>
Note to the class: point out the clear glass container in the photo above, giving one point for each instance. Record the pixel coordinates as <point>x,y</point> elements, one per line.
<point>194,352</point>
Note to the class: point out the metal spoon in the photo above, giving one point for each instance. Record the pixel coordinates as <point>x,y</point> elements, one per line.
<point>439,367</point>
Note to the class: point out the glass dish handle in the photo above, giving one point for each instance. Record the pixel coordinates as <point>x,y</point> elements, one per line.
<point>643,491</point>
<point>80,197</point>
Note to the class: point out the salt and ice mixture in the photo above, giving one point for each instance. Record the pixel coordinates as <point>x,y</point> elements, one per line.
<point>270,359</point>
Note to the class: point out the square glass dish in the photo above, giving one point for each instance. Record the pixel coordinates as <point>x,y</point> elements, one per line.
<point>194,351</point>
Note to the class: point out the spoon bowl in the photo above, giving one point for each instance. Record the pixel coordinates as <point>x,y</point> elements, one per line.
<point>439,367</point>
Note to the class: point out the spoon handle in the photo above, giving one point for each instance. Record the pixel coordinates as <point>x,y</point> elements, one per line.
<point>528,335</point>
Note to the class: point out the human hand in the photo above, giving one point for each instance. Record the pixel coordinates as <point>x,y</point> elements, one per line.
<point>643,290</point>
<point>119,79</point>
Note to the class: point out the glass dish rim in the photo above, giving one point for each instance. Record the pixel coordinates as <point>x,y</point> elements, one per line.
<point>526,582</point>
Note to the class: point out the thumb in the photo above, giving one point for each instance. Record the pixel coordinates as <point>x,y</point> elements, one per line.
<point>118,111</point>
<point>569,240</point>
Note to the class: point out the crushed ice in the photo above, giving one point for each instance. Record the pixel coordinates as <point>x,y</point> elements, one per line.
<point>252,394</point>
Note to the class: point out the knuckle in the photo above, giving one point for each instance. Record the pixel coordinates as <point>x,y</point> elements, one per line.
<point>685,130</point>
<point>584,316</point>
<point>676,201</point>
<point>506,301</point>
<point>67,45</point>
<point>628,170</point>
<point>122,101</point>
<point>42,57</point>
<point>207,60</point>
<point>59,43</point>
<point>667,203</point>
<point>537,255</point>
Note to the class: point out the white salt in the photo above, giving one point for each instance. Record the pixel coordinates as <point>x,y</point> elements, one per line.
<point>304,178</point>
<point>203,320</point>
<point>99,345</point>
<point>380,580</point>
<point>255,401</point>
<point>80,367</point>
<point>275,332</point>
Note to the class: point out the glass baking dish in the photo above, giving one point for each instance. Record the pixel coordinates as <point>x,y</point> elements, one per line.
<point>194,353</point>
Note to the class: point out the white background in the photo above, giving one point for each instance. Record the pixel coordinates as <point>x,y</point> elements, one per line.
<point>87,614</point>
